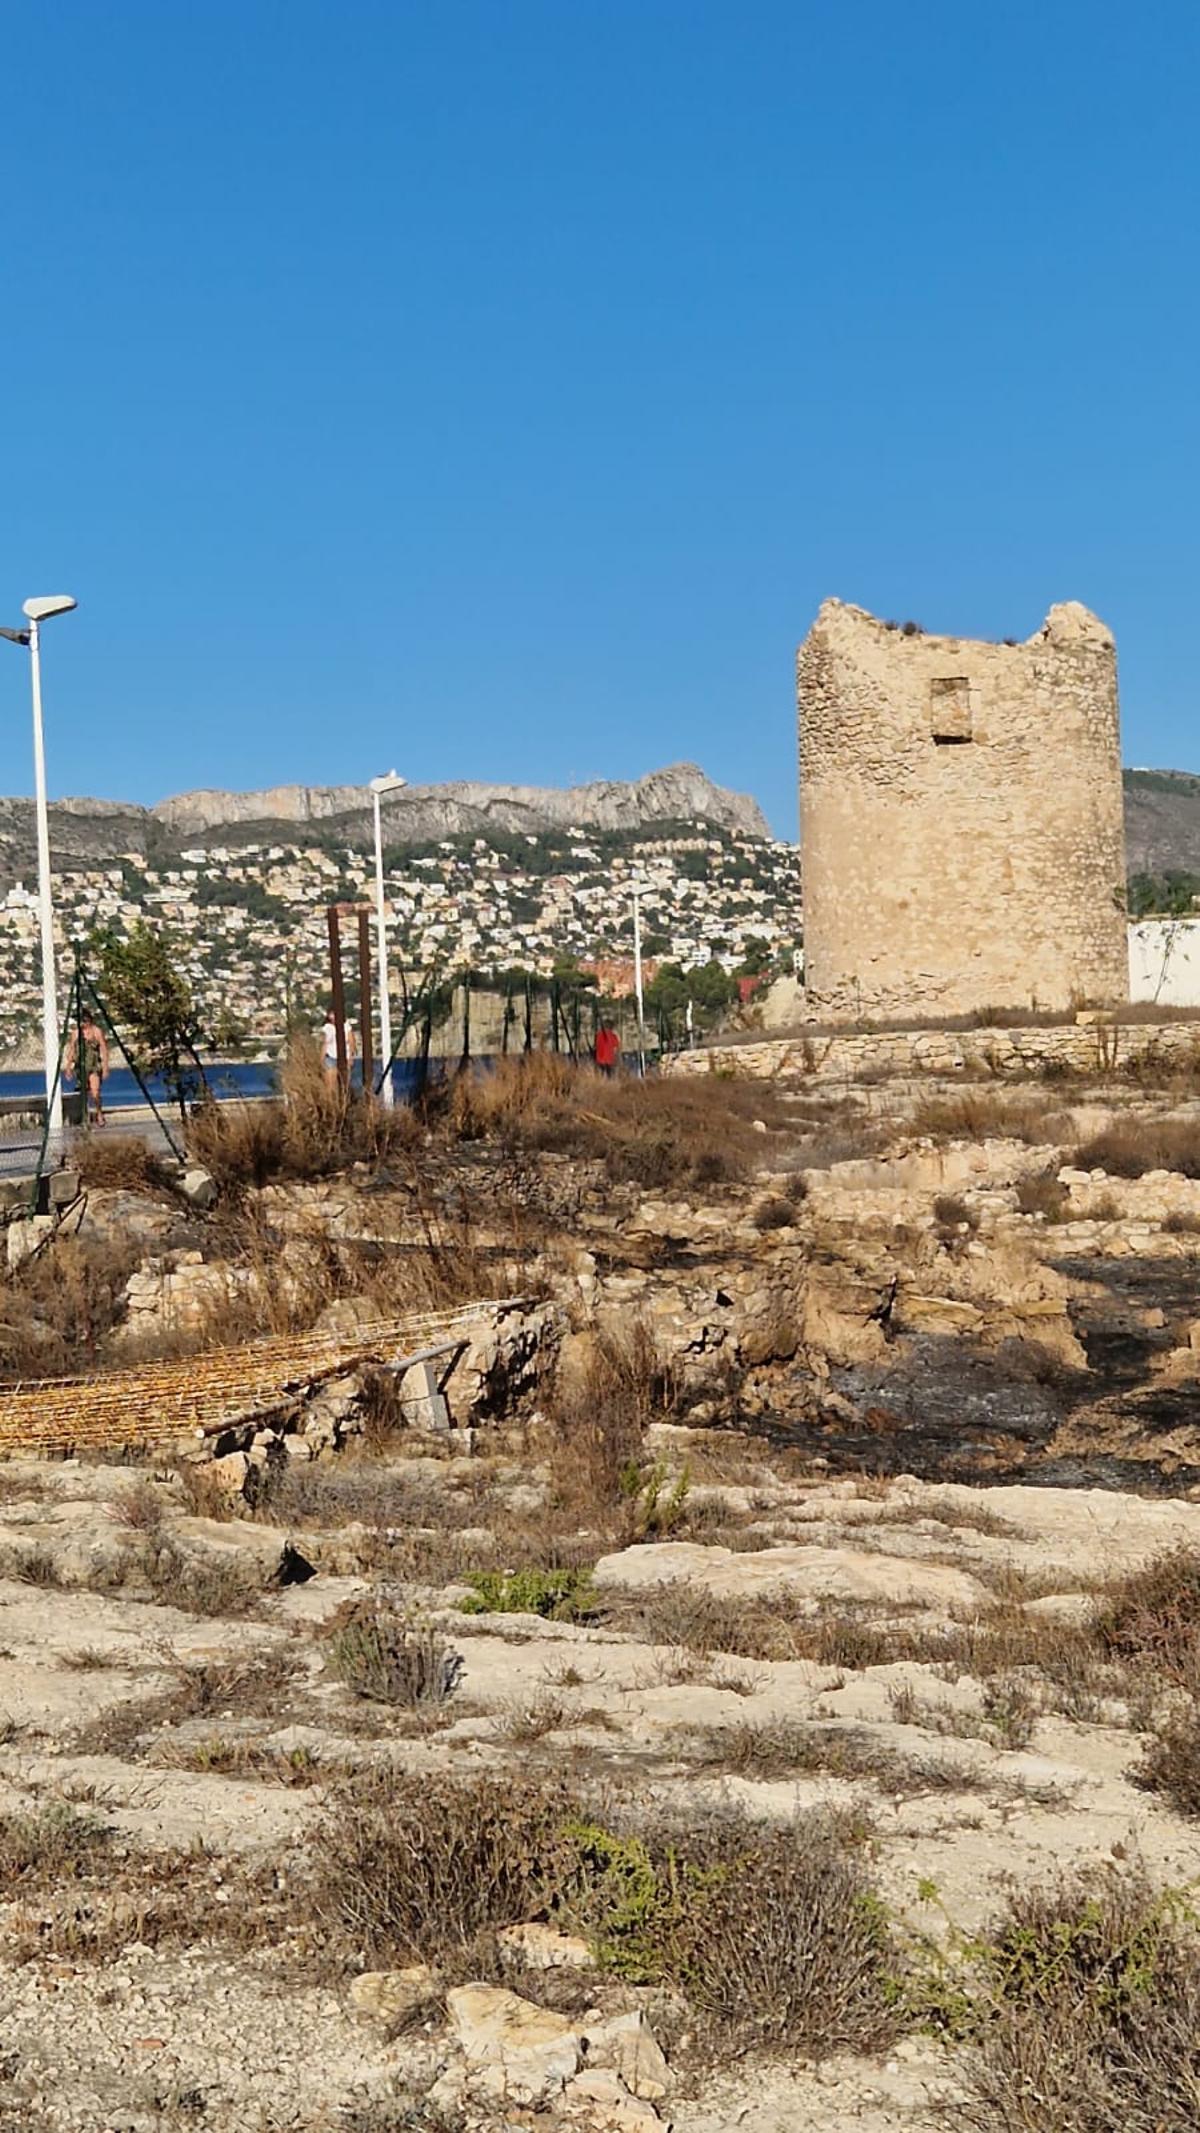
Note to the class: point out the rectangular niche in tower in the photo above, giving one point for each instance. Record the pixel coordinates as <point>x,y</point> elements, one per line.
<point>950,708</point>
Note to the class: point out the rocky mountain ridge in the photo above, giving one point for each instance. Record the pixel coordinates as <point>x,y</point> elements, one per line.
<point>86,831</point>
<point>1162,821</point>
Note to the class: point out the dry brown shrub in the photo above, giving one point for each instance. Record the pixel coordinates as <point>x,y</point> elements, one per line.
<point>376,1648</point>
<point>984,1113</point>
<point>953,1216</point>
<point>1151,1617</point>
<point>120,1162</point>
<point>776,1211</point>
<point>1171,1761</point>
<point>424,1868</point>
<point>1132,1146</point>
<point>1044,1195</point>
<point>58,1309</point>
<point>666,1130</point>
<point>141,1507</point>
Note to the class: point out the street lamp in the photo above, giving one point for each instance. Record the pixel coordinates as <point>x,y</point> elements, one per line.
<point>36,612</point>
<point>637,974</point>
<point>388,783</point>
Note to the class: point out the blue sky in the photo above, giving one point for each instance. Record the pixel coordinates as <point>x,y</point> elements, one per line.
<point>495,387</point>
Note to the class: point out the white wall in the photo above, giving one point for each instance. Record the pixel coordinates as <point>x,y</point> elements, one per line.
<point>1164,961</point>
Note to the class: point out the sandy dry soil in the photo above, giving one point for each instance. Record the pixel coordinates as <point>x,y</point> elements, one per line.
<point>178,2030</point>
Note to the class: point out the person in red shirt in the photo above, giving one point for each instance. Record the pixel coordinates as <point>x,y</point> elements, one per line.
<point>606,1050</point>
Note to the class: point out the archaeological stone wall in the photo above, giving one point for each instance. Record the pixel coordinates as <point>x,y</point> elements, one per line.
<point>1094,1046</point>
<point>962,834</point>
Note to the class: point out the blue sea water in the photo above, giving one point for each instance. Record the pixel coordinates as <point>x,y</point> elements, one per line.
<point>239,1078</point>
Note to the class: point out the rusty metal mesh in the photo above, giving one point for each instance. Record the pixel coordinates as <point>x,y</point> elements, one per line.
<point>192,1396</point>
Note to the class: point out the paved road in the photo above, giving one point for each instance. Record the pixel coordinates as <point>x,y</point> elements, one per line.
<point>20,1144</point>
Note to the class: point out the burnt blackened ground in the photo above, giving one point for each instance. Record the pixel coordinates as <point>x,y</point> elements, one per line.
<point>946,1409</point>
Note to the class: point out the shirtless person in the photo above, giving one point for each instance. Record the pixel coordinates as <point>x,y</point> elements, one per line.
<point>91,1043</point>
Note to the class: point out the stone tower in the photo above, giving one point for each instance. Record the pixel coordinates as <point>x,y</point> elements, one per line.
<point>962,831</point>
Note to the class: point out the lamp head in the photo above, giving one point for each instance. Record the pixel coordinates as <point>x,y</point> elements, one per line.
<point>49,604</point>
<point>389,782</point>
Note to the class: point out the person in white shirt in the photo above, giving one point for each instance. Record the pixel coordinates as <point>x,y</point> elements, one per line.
<point>329,1046</point>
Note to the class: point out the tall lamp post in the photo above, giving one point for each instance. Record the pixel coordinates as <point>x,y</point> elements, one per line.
<point>380,787</point>
<point>36,612</point>
<point>637,974</point>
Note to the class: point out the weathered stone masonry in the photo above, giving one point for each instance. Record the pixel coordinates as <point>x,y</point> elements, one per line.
<point>961,817</point>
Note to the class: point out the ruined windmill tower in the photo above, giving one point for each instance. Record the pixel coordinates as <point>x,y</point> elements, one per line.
<point>962,832</point>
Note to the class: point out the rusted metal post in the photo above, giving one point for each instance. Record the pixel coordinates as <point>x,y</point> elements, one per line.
<point>364,988</point>
<point>337,996</point>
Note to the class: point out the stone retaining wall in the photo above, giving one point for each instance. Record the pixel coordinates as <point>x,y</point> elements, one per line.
<point>1079,1048</point>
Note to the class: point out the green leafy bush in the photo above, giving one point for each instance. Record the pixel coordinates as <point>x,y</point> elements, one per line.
<point>556,1595</point>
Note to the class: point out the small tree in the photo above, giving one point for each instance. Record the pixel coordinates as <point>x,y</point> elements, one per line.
<point>229,1033</point>
<point>150,1004</point>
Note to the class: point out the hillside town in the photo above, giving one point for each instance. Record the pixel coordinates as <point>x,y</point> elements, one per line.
<point>247,921</point>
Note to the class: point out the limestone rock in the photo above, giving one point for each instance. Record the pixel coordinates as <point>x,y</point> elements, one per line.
<point>389,1995</point>
<point>808,1573</point>
<point>535,2050</point>
<point>545,1948</point>
<point>604,2100</point>
<point>627,2043</point>
<point>198,1188</point>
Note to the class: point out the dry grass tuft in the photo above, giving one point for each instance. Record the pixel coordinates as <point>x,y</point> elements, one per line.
<point>313,1130</point>
<point>668,1130</point>
<point>120,1162</point>
<point>255,1687</point>
<point>376,1649</point>
<point>1132,1146</point>
<point>199,1582</point>
<point>47,1846</point>
<point>780,1748</point>
<point>600,1413</point>
<point>58,1309</point>
<point>978,1114</point>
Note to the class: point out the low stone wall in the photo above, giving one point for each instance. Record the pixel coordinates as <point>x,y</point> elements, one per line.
<point>1081,1048</point>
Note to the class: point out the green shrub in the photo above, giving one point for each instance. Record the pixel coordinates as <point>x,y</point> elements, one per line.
<point>773,1936</point>
<point>659,1505</point>
<point>1088,2016</point>
<point>556,1595</point>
